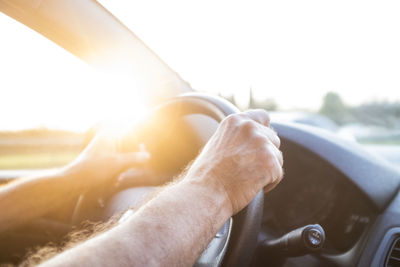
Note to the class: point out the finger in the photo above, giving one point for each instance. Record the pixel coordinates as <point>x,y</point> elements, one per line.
<point>271,134</point>
<point>270,187</point>
<point>275,168</point>
<point>133,177</point>
<point>142,147</point>
<point>131,159</point>
<point>278,154</point>
<point>258,115</point>
<point>102,141</point>
<point>277,180</point>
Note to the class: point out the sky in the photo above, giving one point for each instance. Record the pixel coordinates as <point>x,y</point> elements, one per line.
<point>291,51</point>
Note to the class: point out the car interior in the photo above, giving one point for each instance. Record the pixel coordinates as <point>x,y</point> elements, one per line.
<point>338,205</point>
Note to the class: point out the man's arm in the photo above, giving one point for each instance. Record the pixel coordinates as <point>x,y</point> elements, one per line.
<point>174,227</point>
<point>161,233</point>
<point>32,197</point>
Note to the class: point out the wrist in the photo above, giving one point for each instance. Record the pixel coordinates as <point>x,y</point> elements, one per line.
<point>213,190</point>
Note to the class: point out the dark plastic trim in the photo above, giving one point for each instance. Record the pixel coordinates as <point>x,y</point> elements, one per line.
<point>378,180</point>
<point>383,250</point>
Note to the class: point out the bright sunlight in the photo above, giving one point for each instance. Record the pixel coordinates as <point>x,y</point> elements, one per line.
<point>45,86</point>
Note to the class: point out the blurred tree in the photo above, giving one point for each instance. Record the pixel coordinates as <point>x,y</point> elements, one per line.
<point>252,101</point>
<point>378,113</point>
<point>334,108</point>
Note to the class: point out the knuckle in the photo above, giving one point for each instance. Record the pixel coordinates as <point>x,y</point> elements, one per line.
<point>273,136</point>
<point>270,161</point>
<point>259,140</point>
<point>264,114</point>
<point>232,119</point>
<point>268,155</point>
<point>248,125</point>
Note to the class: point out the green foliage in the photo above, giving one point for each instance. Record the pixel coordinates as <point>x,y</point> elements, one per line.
<point>379,113</point>
<point>334,108</point>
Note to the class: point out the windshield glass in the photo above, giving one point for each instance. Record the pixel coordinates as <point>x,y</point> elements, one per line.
<point>331,65</point>
<point>334,64</point>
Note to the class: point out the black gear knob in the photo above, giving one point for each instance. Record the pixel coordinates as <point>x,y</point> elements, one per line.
<point>298,242</point>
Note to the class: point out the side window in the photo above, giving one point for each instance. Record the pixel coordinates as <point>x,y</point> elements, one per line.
<point>41,123</point>
<point>50,100</point>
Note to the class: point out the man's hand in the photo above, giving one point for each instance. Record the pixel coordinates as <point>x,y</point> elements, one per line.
<point>174,227</point>
<point>101,162</point>
<point>242,158</point>
<point>97,166</point>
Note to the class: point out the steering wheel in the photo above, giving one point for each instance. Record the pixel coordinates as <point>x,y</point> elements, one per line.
<point>235,243</point>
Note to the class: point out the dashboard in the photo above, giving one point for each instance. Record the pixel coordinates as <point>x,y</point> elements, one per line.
<point>351,193</point>
<point>314,192</point>
<point>327,181</point>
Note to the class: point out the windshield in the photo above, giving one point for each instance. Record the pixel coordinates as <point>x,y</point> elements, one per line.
<point>330,64</point>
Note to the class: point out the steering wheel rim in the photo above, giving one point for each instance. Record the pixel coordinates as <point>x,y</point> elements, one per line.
<point>242,239</point>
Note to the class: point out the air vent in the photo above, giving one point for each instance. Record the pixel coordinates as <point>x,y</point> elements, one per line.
<point>393,258</point>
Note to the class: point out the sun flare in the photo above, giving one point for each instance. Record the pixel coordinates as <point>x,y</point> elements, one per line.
<point>68,94</point>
